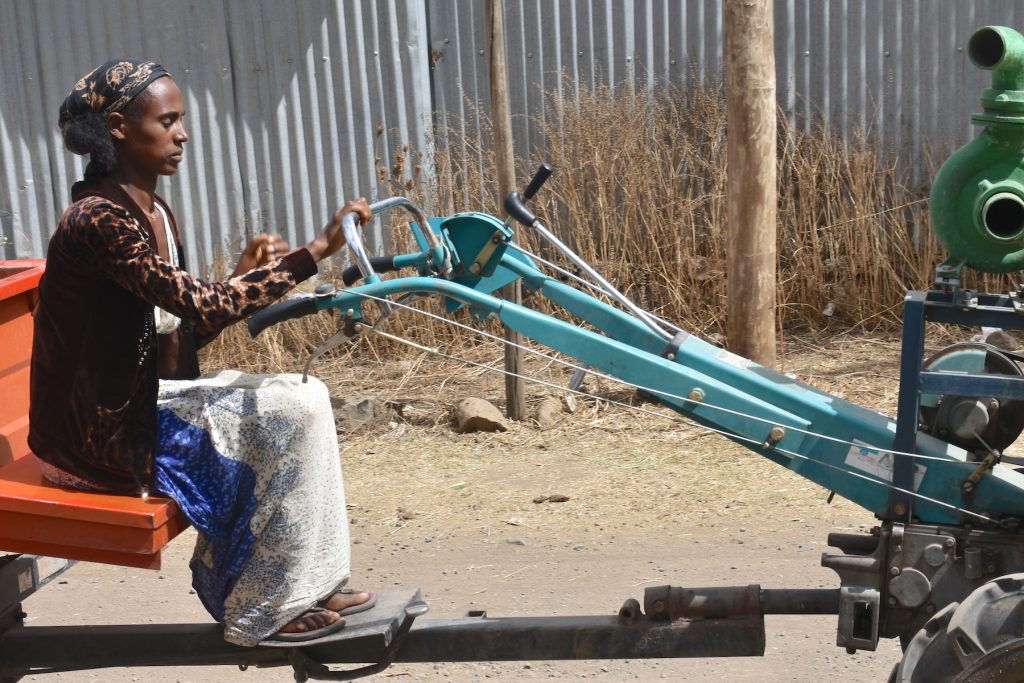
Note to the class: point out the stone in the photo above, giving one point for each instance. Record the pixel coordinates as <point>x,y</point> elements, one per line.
<point>548,412</point>
<point>355,412</point>
<point>1002,339</point>
<point>478,415</point>
<point>551,498</point>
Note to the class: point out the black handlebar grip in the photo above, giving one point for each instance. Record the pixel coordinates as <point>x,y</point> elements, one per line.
<point>514,207</point>
<point>381,264</point>
<point>281,311</point>
<point>542,174</point>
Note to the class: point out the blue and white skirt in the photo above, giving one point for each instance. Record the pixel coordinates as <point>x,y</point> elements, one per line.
<point>253,463</point>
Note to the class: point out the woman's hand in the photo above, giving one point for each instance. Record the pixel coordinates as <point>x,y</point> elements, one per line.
<point>261,250</point>
<point>333,237</point>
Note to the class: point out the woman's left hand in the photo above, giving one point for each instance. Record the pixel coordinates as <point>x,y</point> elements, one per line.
<point>261,250</point>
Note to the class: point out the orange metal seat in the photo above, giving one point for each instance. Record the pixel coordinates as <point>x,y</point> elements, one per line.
<point>37,517</point>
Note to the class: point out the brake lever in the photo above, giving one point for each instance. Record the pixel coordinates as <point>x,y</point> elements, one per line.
<point>349,332</point>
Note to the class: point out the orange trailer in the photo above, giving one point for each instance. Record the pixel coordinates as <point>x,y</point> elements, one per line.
<point>37,517</point>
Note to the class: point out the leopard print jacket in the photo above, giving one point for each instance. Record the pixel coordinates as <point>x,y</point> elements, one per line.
<point>95,358</point>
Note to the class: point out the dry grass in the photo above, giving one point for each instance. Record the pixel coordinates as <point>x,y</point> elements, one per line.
<point>639,192</point>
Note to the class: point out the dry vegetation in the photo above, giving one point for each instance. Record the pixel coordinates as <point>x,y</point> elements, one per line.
<point>639,192</point>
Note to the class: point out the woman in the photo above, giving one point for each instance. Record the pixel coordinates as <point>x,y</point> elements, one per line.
<point>117,403</point>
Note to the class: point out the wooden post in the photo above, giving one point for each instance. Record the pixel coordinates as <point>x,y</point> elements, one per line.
<point>751,193</point>
<point>515,399</point>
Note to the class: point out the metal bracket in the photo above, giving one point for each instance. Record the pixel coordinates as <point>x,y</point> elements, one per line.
<point>672,349</point>
<point>477,267</point>
<point>858,618</point>
<point>23,575</point>
<point>305,667</point>
<point>947,276</point>
<point>860,570</point>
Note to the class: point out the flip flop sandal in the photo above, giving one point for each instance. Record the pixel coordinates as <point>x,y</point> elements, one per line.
<point>303,636</point>
<point>354,609</point>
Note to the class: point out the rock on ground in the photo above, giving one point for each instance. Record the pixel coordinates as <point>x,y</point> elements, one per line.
<point>478,415</point>
<point>548,412</point>
<point>354,412</point>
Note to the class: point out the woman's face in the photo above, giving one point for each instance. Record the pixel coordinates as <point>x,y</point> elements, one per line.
<point>151,137</point>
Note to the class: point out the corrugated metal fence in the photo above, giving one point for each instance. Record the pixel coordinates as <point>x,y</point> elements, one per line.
<point>283,100</point>
<point>294,106</point>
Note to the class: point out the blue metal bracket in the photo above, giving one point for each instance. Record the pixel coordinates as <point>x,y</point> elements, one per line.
<point>984,310</point>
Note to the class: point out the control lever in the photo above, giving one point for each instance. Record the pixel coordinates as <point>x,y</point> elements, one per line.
<point>521,213</point>
<point>347,330</point>
<point>516,209</point>
<point>544,172</point>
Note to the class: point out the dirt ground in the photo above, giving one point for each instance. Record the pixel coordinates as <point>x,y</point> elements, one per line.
<point>650,501</point>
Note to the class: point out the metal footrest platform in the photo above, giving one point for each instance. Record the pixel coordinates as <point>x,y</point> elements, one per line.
<point>368,637</point>
<point>374,634</point>
<point>374,629</point>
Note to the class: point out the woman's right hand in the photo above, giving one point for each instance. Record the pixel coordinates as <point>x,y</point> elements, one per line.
<point>332,238</point>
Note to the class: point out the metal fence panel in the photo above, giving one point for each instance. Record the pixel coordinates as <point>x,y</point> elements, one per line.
<point>895,70</point>
<point>294,107</point>
<point>283,101</point>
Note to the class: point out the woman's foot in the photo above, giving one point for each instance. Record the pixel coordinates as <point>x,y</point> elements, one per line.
<point>326,617</point>
<point>348,601</point>
<point>312,620</point>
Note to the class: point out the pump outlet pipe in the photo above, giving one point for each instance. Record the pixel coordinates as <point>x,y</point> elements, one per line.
<point>977,200</point>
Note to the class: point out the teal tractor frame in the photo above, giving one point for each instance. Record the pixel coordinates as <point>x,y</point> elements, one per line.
<point>948,502</point>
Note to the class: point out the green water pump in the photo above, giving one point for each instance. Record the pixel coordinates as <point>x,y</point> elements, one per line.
<point>977,202</point>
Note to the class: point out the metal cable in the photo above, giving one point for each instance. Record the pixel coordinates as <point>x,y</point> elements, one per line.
<point>587,283</point>
<point>591,285</point>
<point>686,399</point>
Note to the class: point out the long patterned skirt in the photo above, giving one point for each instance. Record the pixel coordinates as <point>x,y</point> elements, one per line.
<point>253,462</point>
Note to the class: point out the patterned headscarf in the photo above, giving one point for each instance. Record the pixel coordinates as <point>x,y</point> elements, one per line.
<point>109,88</point>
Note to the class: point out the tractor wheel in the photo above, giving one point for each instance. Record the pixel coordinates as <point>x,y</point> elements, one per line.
<point>980,640</point>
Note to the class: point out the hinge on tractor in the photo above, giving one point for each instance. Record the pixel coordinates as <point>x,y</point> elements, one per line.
<point>947,277</point>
